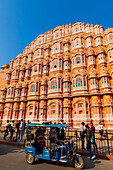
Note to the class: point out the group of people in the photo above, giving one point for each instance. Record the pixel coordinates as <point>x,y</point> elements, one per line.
<point>88,131</point>
<point>10,128</point>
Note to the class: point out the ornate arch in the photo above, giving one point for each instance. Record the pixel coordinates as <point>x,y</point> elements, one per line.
<point>53,84</point>
<point>79,82</point>
<point>32,88</point>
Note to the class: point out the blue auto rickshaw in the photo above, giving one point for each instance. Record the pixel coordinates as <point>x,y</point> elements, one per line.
<point>45,149</point>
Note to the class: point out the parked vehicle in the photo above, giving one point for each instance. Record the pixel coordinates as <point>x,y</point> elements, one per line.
<point>42,148</point>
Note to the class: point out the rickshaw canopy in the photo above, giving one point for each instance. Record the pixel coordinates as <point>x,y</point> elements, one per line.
<point>50,125</point>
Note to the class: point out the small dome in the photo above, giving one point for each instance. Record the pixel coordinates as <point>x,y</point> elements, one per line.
<point>67,57</point>
<point>91,52</point>
<point>100,50</point>
<point>18,85</point>
<point>24,84</point>
<point>66,78</point>
<point>93,74</point>
<point>104,73</point>
<point>44,81</point>
<point>5,66</point>
<point>108,30</point>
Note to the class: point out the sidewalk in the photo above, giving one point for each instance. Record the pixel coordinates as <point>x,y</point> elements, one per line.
<point>2,141</point>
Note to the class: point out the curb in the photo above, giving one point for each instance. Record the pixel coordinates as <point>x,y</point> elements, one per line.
<point>81,153</point>
<point>108,157</point>
<point>11,143</point>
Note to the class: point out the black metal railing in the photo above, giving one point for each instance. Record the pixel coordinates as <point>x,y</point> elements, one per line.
<point>104,143</point>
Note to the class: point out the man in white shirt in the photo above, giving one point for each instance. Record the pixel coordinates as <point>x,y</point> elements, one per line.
<point>100,127</point>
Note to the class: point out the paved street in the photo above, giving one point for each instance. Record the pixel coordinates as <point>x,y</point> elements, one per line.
<point>13,158</point>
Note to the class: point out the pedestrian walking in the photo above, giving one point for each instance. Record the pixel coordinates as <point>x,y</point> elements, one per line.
<point>6,130</point>
<point>88,138</point>
<point>11,129</point>
<point>93,132</point>
<point>18,130</point>
<point>82,133</point>
<point>22,127</point>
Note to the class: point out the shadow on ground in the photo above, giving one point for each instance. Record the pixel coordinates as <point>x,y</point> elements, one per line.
<point>89,164</point>
<point>8,149</point>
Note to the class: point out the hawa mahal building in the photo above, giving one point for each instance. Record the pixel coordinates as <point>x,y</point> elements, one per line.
<point>64,74</point>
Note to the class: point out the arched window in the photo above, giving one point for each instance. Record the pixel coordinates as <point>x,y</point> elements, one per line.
<point>35,69</point>
<point>82,41</point>
<point>77,42</point>
<point>37,52</point>
<point>73,62</point>
<point>56,34</point>
<point>42,51</point>
<point>60,63</point>
<point>80,105</point>
<point>76,28</point>
<point>39,40</point>
<point>36,87</point>
<point>44,88</point>
<point>83,58</point>
<point>56,47</point>
<point>53,84</point>
<point>106,39</point>
<point>84,81</point>
<point>109,54</point>
<point>55,64</point>
<point>73,30</point>
<point>59,83</point>
<point>30,107</point>
<point>78,82</point>
<point>16,72</point>
<point>19,61</point>
<point>73,44</point>
<point>32,88</point>
<point>61,46</point>
<point>39,67</point>
<point>104,79</point>
<point>111,37</point>
<point>93,81</point>
<point>73,83</point>
<point>48,36</point>
<point>13,73</point>
<point>24,90</point>
<point>8,91</point>
<point>78,60</point>
<point>12,91</point>
<point>66,63</point>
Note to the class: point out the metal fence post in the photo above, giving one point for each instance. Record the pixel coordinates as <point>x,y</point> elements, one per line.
<point>76,140</point>
<point>107,142</point>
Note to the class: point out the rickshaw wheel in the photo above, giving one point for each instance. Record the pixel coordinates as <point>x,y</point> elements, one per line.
<point>30,158</point>
<point>78,162</point>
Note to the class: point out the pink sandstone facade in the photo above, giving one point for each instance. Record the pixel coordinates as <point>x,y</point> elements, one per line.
<point>66,73</point>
